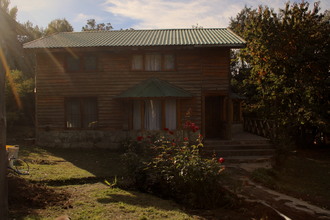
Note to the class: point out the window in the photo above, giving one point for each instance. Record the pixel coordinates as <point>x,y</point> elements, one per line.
<point>86,63</point>
<point>169,62</point>
<point>154,114</point>
<point>153,62</point>
<point>137,62</point>
<point>81,112</point>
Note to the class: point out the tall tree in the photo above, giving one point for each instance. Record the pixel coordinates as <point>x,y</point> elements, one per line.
<point>12,12</point>
<point>92,26</point>
<point>7,30</point>
<point>288,56</point>
<point>58,25</point>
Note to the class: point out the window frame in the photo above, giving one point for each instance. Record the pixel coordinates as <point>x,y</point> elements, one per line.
<point>162,60</point>
<point>82,63</point>
<point>163,114</point>
<point>82,101</point>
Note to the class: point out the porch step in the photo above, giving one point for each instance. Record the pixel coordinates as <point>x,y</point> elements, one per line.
<point>248,159</point>
<point>243,152</point>
<point>247,149</point>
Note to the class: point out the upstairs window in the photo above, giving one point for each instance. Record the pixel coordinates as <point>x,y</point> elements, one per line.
<point>83,63</point>
<point>81,113</point>
<point>153,62</point>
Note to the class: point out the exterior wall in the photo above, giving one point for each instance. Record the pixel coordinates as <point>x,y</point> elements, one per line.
<point>198,70</point>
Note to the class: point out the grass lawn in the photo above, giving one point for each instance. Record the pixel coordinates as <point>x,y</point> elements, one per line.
<point>304,174</point>
<point>73,182</point>
<point>77,176</point>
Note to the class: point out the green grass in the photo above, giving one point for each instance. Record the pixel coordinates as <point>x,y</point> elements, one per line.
<point>304,174</point>
<point>51,164</point>
<point>97,201</point>
<point>81,174</point>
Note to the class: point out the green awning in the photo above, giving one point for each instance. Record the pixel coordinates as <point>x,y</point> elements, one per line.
<point>155,88</point>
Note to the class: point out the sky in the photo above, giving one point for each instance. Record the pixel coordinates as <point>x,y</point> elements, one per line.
<point>141,14</point>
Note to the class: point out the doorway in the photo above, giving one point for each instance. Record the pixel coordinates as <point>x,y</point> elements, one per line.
<point>215,126</point>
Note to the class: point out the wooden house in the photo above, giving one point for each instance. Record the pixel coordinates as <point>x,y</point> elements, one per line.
<point>98,88</point>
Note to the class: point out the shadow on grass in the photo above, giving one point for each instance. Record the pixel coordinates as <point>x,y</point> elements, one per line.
<point>98,163</point>
<point>26,197</point>
<point>139,199</point>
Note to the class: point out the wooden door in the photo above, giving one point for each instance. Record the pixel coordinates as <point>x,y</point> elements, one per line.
<point>214,123</point>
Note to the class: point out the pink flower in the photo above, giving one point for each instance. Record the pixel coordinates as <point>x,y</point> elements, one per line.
<point>139,138</point>
<point>221,160</point>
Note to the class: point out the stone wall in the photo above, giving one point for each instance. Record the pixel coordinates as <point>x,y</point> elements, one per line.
<point>98,138</point>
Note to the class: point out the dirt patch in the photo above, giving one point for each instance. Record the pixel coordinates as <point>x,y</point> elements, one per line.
<point>25,197</point>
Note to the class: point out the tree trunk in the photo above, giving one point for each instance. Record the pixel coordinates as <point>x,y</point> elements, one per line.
<point>3,152</point>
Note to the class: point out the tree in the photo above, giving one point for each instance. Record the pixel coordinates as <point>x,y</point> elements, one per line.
<point>92,26</point>
<point>58,25</point>
<point>34,31</point>
<point>288,56</point>
<point>12,12</point>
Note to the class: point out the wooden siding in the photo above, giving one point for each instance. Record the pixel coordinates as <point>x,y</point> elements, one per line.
<point>197,70</point>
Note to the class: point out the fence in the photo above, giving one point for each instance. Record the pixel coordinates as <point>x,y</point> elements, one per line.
<point>261,127</point>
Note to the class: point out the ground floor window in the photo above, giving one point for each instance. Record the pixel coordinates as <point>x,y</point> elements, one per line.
<point>81,112</point>
<point>154,114</point>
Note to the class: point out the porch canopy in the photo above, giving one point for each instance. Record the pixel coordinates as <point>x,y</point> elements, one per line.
<point>154,88</point>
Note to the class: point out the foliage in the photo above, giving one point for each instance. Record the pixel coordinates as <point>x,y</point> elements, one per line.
<point>172,167</point>
<point>58,25</point>
<point>285,66</point>
<point>12,12</point>
<point>92,26</point>
<point>19,98</point>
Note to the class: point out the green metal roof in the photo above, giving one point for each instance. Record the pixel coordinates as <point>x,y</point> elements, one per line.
<point>155,88</point>
<point>128,38</point>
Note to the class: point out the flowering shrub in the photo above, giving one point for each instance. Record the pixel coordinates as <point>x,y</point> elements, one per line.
<point>173,168</point>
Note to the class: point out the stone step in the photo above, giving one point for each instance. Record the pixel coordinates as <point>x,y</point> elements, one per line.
<point>237,147</point>
<point>240,152</point>
<point>236,142</point>
<point>248,159</point>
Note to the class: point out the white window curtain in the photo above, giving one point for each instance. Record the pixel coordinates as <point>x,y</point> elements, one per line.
<point>137,62</point>
<point>169,62</point>
<point>170,114</point>
<point>137,115</point>
<point>152,115</point>
<point>153,62</point>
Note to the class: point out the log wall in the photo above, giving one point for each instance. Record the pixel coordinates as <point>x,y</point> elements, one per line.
<point>197,70</point>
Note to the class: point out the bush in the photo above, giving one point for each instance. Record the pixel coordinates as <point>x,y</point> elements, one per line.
<point>173,168</point>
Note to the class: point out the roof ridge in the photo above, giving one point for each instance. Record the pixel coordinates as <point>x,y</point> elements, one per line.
<point>132,30</point>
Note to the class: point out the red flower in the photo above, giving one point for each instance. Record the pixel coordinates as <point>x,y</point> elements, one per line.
<point>221,160</point>
<point>185,139</point>
<point>173,144</point>
<point>171,132</point>
<point>165,129</point>
<point>200,136</point>
<point>139,138</point>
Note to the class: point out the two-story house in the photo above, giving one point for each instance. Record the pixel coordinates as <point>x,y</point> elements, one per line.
<point>97,88</point>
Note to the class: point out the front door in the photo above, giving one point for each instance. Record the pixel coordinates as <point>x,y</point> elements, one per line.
<point>214,117</point>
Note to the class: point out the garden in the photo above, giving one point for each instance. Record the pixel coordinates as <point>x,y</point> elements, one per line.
<point>153,177</point>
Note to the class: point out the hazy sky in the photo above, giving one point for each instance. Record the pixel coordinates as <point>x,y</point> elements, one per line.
<point>140,14</point>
